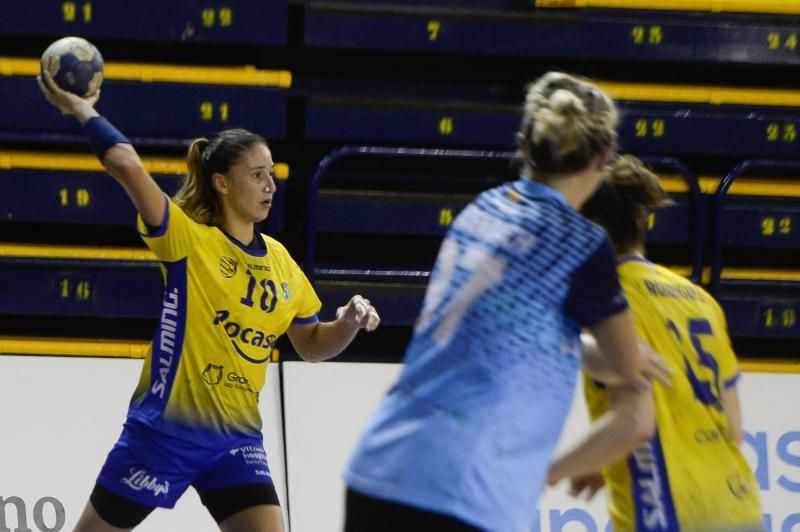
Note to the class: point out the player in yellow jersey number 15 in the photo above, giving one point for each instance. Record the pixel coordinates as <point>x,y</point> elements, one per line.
<point>691,475</point>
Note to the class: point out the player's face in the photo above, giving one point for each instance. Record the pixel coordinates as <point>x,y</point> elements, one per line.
<point>252,184</point>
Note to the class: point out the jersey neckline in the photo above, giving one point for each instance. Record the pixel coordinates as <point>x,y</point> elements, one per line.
<point>535,190</point>
<point>250,251</point>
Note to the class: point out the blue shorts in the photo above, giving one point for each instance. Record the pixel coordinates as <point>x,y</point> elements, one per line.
<point>155,469</point>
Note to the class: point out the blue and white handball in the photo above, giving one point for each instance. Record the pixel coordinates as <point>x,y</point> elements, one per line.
<point>75,65</point>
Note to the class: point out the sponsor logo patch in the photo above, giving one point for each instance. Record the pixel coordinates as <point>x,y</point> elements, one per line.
<point>228,266</point>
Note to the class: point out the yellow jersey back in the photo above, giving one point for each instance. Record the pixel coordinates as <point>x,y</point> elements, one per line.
<point>690,476</point>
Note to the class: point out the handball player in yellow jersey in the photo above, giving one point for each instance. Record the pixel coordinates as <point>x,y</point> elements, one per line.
<point>229,293</point>
<point>691,475</point>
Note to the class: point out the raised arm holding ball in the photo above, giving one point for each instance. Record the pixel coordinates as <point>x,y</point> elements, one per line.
<point>229,293</point>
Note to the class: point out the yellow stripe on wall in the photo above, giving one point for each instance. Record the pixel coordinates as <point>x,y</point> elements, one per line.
<point>652,92</point>
<point>770,366</point>
<point>76,252</point>
<point>73,347</point>
<point>758,274</point>
<point>714,6</point>
<point>244,76</point>
<point>29,160</point>
<point>743,186</point>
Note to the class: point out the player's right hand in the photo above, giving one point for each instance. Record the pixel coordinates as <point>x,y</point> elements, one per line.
<point>65,101</point>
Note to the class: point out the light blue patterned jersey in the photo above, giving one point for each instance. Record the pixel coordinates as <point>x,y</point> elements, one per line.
<point>469,428</point>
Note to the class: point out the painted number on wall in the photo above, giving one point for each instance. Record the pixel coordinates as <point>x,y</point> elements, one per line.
<point>446,126</point>
<point>69,289</point>
<point>771,226</point>
<point>777,40</point>
<point>78,198</point>
<point>650,128</point>
<point>651,221</point>
<point>222,17</point>
<point>647,35</point>
<point>781,132</point>
<point>433,29</point>
<point>74,12</point>
<point>785,318</point>
<point>445,216</point>
<point>209,111</point>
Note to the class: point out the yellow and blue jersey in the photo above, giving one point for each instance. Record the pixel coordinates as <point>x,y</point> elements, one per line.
<point>690,476</point>
<point>224,307</point>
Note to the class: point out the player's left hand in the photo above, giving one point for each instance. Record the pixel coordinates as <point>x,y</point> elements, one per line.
<point>587,485</point>
<point>654,366</point>
<point>360,313</point>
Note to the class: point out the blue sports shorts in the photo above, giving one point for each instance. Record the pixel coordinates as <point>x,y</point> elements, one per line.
<point>155,469</point>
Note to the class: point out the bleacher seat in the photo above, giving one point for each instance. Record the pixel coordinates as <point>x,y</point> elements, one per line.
<point>613,34</point>
<point>76,281</point>
<point>756,215</point>
<point>74,189</point>
<point>365,210</point>
<point>656,119</point>
<point>253,22</point>
<point>152,104</point>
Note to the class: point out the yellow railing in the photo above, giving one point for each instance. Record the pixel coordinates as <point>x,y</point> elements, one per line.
<point>786,7</point>
<point>81,347</point>
<point>206,75</point>
<point>10,345</point>
<point>75,252</point>
<point>29,160</point>
<point>770,366</point>
<point>703,94</point>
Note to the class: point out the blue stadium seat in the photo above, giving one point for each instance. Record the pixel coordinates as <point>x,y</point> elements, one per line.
<point>750,214</point>
<point>74,189</point>
<point>48,281</point>
<point>398,289</point>
<point>585,34</point>
<point>153,104</point>
<point>761,303</point>
<point>656,119</point>
<point>234,21</point>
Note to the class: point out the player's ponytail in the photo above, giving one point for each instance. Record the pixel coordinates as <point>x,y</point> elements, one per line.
<point>622,202</point>
<point>567,121</point>
<point>206,157</point>
<point>196,195</point>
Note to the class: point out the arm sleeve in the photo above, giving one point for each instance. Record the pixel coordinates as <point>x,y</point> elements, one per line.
<point>308,302</point>
<point>176,235</point>
<point>595,293</point>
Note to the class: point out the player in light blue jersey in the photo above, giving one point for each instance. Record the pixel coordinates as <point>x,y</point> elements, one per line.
<point>464,440</point>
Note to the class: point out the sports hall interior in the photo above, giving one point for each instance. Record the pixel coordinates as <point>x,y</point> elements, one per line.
<point>385,118</point>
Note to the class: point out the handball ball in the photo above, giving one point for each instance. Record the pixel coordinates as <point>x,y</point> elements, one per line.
<point>75,65</point>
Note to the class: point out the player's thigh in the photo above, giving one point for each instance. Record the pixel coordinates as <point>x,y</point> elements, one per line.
<point>262,518</point>
<point>90,521</point>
